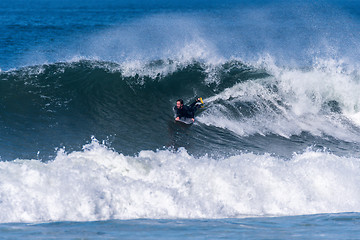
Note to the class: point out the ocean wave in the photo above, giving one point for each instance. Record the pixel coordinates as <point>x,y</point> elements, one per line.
<point>322,100</point>
<point>98,183</point>
<point>76,99</point>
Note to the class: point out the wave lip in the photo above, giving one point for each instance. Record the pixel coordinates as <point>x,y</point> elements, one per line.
<point>98,183</point>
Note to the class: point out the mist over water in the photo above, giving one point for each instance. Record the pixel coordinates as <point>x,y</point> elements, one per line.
<point>294,33</point>
<point>86,105</point>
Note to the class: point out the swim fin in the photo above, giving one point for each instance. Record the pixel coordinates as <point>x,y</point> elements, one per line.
<point>201,103</point>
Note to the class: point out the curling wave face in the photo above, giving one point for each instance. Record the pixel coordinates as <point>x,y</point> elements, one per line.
<point>246,105</point>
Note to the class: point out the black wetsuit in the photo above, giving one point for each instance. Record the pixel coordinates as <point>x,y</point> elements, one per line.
<point>186,111</point>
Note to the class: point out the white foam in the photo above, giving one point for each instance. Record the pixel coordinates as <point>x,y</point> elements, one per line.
<point>98,184</point>
<point>296,105</point>
<point>195,51</point>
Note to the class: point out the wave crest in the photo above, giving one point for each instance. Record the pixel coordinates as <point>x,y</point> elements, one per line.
<point>243,102</point>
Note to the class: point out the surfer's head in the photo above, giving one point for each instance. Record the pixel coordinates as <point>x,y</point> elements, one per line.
<point>179,103</point>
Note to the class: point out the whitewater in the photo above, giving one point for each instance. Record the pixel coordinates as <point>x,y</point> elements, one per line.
<point>99,184</point>
<point>88,142</point>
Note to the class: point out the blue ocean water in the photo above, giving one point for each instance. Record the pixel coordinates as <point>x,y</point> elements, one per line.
<point>89,147</point>
<point>324,226</point>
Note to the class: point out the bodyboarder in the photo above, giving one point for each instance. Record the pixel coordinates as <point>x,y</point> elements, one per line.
<point>184,111</point>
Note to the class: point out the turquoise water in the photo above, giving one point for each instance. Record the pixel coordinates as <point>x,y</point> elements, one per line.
<point>89,147</point>
<point>323,226</point>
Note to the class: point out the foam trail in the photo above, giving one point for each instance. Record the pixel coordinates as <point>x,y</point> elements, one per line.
<point>98,184</point>
<point>320,100</point>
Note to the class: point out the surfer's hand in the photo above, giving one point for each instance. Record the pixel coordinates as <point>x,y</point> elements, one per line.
<point>177,119</point>
<point>193,120</point>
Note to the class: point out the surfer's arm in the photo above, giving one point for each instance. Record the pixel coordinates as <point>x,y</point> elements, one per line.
<point>177,114</point>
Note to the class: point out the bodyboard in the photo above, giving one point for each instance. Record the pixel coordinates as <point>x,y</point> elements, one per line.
<point>185,120</point>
